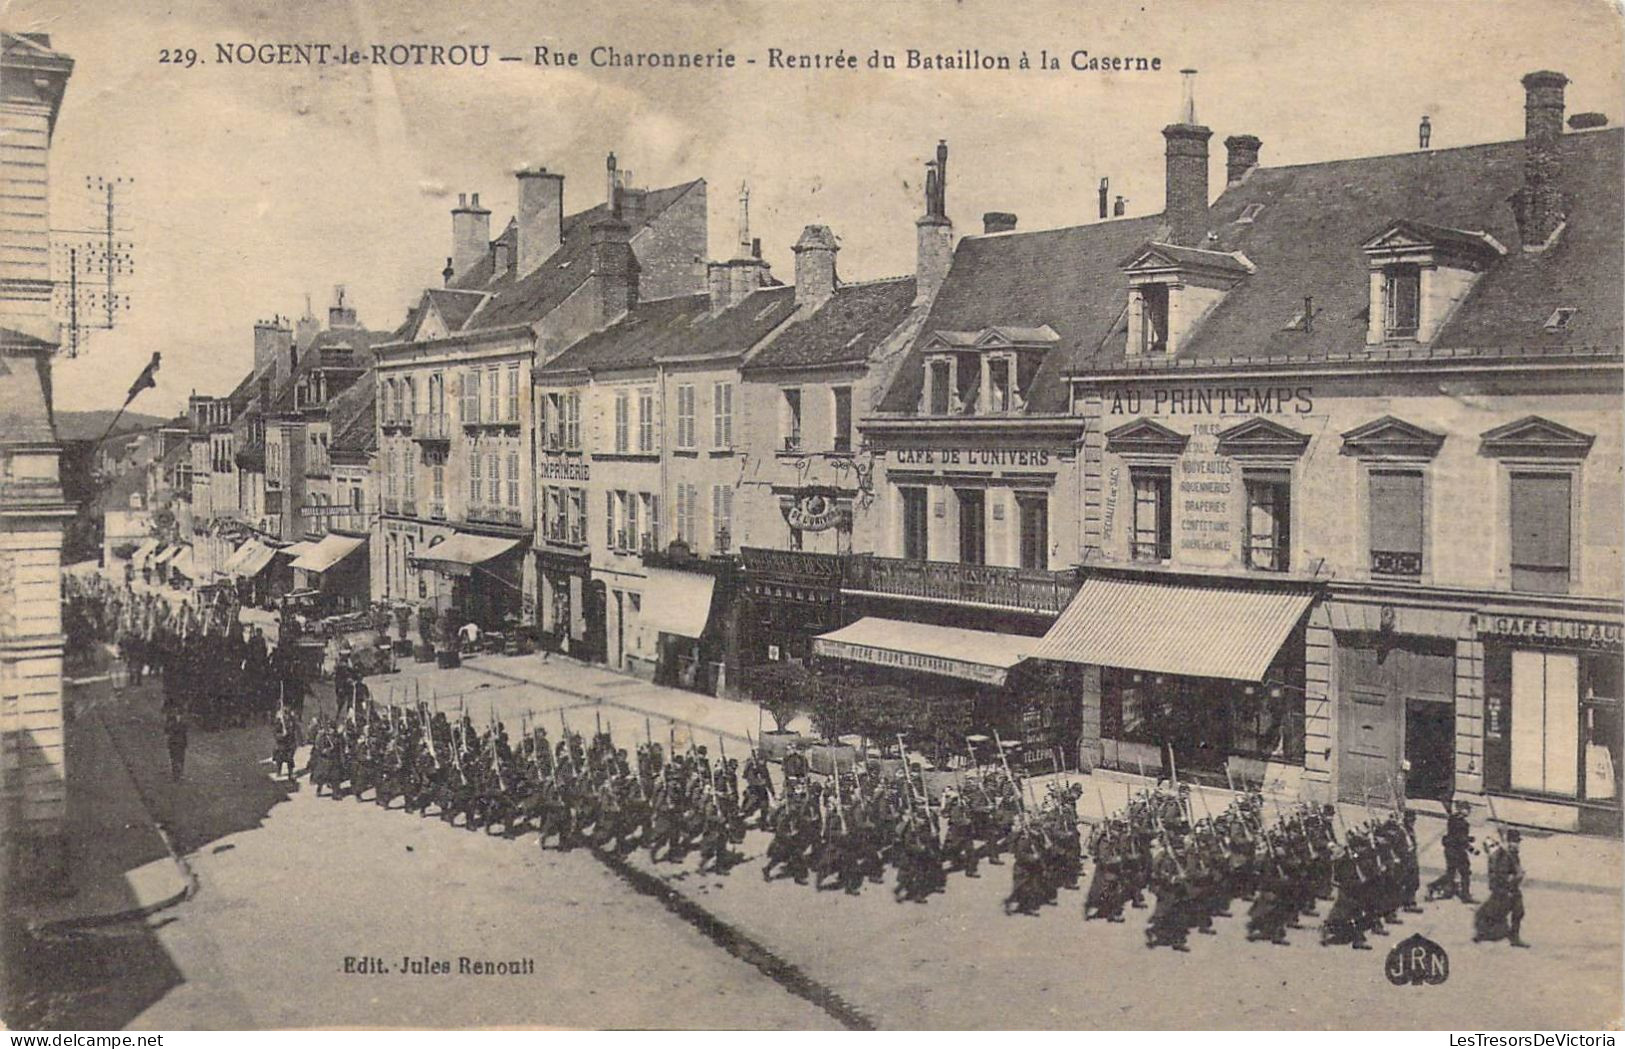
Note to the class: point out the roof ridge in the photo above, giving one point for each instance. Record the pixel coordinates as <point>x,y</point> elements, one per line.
<point>1468,147</point>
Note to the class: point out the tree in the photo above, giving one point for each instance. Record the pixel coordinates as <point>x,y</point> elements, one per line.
<point>780,688</point>
<point>832,705</point>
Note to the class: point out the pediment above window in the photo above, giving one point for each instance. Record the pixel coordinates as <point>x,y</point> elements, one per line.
<point>1145,437</point>
<point>1262,437</point>
<point>1535,437</point>
<point>1391,437</point>
<point>994,337</point>
<point>1156,257</point>
<point>1408,240</point>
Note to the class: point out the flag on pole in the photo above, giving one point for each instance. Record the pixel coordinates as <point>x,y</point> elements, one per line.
<point>147,380</point>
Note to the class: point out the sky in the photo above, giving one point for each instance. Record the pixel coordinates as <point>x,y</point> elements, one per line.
<point>254,186</point>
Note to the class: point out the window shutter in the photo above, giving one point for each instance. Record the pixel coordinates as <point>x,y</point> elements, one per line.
<point>654,519</point>
<point>1540,520</point>
<point>609,519</point>
<point>1396,512</point>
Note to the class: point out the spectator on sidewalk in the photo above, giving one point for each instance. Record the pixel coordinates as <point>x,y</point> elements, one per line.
<point>469,636</point>
<point>175,734</point>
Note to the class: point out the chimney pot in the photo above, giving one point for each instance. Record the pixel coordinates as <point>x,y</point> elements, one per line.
<point>1424,132</point>
<point>1586,121</point>
<point>1120,207</point>
<point>998,222</point>
<point>447,273</point>
<point>1105,196</point>
<point>1242,157</point>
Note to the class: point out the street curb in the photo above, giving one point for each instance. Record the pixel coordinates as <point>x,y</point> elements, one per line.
<point>188,876</point>
<point>738,943</point>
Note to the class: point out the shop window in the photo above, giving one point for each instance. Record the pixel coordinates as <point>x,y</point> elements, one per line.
<point>1269,522</point>
<point>1540,532</point>
<point>1205,721</point>
<point>1552,723</point>
<point>1401,301</point>
<point>972,525</point>
<point>915,523</point>
<point>1034,510</point>
<point>1395,506</point>
<point>1153,514</point>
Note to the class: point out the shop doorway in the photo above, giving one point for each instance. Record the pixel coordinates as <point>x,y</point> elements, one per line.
<point>1385,683</point>
<point>1430,748</point>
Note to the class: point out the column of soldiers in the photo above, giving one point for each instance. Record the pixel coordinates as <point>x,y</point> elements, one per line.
<point>214,674</point>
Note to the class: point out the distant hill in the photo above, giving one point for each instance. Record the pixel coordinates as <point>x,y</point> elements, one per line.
<point>88,426</point>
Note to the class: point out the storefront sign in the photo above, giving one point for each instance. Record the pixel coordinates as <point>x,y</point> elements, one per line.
<point>885,657</point>
<point>558,469</point>
<point>1551,631</point>
<point>1002,457</point>
<point>1211,400</point>
<point>814,512</point>
<point>1204,483</point>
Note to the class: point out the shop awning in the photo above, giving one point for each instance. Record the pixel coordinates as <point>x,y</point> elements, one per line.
<point>458,554</point>
<point>140,554</point>
<point>182,562</point>
<point>294,551</point>
<point>676,602</point>
<point>328,552</point>
<point>975,655</point>
<point>238,556</point>
<point>1172,628</point>
<point>250,559</point>
<point>162,557</point>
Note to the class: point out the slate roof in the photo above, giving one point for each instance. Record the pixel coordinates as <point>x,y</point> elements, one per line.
<point>1304,238</point>
<point>455,305</point>
<point>351,418</point>
<point>25,414</point>
<point>682,327</point>
<point>528,299</point>
<point>845,329</point>
<point>1066,278</point>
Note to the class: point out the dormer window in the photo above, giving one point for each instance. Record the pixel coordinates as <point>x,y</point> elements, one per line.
<point>1401,301</point>
<point>1154,319</point>
<point>1419,273</point>
<point>939,385</point>
<point>1561,318</point>
<point>1171,289</point>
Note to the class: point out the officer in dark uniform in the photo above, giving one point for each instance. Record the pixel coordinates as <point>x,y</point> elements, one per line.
<point>1457,879</point>
<point>1501,915</point>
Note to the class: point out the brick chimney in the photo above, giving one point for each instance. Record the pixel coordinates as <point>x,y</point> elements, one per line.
<point>934,233</point>
<point>1539,203</point>
<point>1242,157</point>
<point>470,233</point>
<point>1004,221</point>
<point>614,273</point>
<point>815,266</point>
<point>540,221</point>
<point>1185,210</point>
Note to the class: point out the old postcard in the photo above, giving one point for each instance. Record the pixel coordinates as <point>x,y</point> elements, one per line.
<point>812,515</point>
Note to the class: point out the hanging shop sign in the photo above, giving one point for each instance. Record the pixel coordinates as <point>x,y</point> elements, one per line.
<point>815,512</point>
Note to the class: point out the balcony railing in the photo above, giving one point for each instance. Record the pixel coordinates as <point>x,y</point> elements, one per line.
<point>409,507</point>
<point>437,511</point>
<point>1396,563</point>
<point>391,506</point>
<point>1034,590</point>
<point>427,427</point>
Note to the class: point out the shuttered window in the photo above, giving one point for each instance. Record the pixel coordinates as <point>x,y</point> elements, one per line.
<point>1396,522</point>
<point>1540,532</point>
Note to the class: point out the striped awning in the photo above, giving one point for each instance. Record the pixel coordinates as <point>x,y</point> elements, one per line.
<point>147,548</point>
<point>332,549</point>
<point>1176,628</point>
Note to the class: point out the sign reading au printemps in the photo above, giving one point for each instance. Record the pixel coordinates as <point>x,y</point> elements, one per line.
<point>1210,400</point>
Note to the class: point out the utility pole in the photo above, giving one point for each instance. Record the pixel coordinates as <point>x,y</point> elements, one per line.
<point>95,250</point>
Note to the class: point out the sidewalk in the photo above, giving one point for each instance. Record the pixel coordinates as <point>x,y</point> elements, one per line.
<point>121,864</point>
